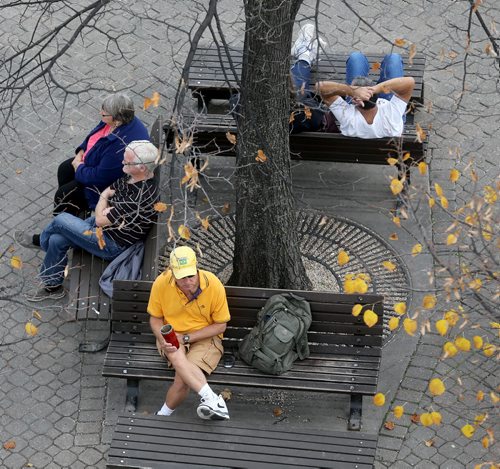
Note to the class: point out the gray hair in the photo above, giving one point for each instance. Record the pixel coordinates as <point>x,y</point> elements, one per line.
<point>145,153</point>
<point>120,107</point>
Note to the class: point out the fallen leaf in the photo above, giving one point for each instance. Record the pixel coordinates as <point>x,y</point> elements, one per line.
<point>398,411</point>
<point>426,419</point>
<point>11,444</point>
<point>19,171</point>
<point>393,237</point>
<point>31,329</point>
<point>442,326</point>
<point>277,411</point>
<point>342,258</point>
<point>37,315</point>
<point>226,394</point>
<point>429,443</point>
<point>412,53</point>
<point>444,202</point>
<point>393,323</point>
<point>438,189</point>
<point>16,262</point>
<point>370,318</point>
<point>410,326</point>
<point>462,344</point>
<point>400,42</point>
<point>379,399</point>
<point>415,418</point>
<point>388,425</point>
<point>323,221</point>
<point>454,175</point>
<point>391,267</point>
<point>400,308</point>
<point>184,232</point>
<point>429,301</point>
<point>416,250</point>
<point>468,430</point>
<point>397,221</point>
<point>421,134</point>
<point>153,101</point>
<point>422,168</point>
<point>449,349</point>
<point>451,239</point>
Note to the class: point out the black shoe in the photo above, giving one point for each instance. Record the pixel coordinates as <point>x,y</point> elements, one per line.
<point>25,239</point>
<point>46,293</point>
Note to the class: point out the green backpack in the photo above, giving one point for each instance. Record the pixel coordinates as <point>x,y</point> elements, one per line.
<point>280,335</point>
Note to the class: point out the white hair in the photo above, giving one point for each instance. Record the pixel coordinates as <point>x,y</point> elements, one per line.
<point>144,152</point>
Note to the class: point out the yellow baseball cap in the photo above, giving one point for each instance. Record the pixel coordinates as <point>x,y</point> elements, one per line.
<point>183,262</point>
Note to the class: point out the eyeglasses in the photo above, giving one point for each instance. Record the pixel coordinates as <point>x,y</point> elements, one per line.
<point>104,115</point>
<point>124,163</point>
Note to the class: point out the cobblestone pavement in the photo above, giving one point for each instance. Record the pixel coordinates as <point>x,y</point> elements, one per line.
<point>54,404</point>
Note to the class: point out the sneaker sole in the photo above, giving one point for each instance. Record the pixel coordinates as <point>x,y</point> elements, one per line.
<point>206,413</point>
<point>52,297</point>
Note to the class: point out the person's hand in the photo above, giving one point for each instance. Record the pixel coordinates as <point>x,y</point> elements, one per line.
<point>167,347</point>
<point>77,160</point>
<point>363,93</point>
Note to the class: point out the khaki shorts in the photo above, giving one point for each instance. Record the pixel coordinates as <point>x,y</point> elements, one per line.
<point>205,354</point>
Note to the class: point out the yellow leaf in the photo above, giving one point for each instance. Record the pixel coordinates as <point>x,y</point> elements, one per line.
<point>393,237</point>
<point>462,344</point>
<point>396,186</point>
<point>442,326</point>
<point>410,326</point>
<point>494,398</point>
<point>100,237</point>
<point>370,318</point>
<point>489,349</point>
<point>478,342</point>
<point>184,232</point>
<point>154,101</point>
<point>451,239</point>
<point>429,301</point>
<point>449,349</point>
<point>436,418</point>
<point>400,308</point>
<point>436,387</point>
<point>389,266</point>
<point>398,411</point>
<point>88,233</point>
<point>444,202</point>
<point>495,325</point>
<point>379,399</point>
<point>31,329</point>
<point>479,419</point>
<point>421,134</point>
<point>360,286</point>
<point>231,137</point>
<point>261,157</point>
<point>356,310</point>
<point>426,419</point>
<point>406,156</point>
<point>454,175</point>
<point>485,441</point>
<point>399,42</point>
<point>422,168</point>
<point>475,284</point>
<point>438,189</point>
<point>480,396</point>
<point>468,430</point>
<point>452,317</point>
<point>416,250</point>
<point>393,323</point>
<point>11,444</point>
<point>342,258</point>
<point>392,161</point>
<point>160,206</point>
<point>16,262</point>
<point>396,221</point>
<point>37,315</point>
<point>432,202</point>
<point>349,287</point>
<point>490,195</point>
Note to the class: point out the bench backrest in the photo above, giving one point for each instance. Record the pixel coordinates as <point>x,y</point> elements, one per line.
<point>213,70</point>
<point>333,322</point>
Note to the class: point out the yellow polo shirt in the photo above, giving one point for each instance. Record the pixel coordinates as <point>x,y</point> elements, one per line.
<point>168,302</point>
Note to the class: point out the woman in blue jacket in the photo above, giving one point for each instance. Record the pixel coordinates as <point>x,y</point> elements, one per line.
<point>98,159</point>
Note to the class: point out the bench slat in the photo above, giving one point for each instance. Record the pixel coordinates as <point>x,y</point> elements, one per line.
<point>154,441</point>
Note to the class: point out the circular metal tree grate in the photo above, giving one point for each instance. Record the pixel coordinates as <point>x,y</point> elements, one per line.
<point>321,239</point>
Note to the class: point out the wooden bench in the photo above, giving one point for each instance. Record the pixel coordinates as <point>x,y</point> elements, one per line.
<point>214,75</point>
<point>345,353</point>
<point>158,442</point>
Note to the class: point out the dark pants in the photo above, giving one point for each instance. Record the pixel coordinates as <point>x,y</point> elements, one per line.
<point>70,195</point>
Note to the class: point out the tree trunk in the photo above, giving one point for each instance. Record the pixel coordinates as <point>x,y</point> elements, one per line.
<point>266,245</point>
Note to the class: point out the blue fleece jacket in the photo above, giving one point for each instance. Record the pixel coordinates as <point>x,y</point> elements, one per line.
<point>103,163</point>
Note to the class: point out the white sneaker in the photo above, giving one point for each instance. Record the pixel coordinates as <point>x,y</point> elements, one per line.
<point>213,409</point>
<point>306,46</point>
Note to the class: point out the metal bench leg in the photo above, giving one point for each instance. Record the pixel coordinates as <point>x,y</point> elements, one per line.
<point>355,412</point>
<point>132,394</point>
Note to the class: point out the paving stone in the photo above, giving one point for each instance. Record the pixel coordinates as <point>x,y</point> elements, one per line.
<point>65,458</point>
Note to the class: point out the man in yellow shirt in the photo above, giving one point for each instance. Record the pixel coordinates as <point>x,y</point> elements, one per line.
<point>194,302</point>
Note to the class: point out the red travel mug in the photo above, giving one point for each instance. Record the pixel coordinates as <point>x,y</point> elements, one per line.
<point>168,333</point>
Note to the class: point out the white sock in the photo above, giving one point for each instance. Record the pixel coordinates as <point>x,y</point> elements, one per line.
<point>165,410</point>
<point>206,393</point>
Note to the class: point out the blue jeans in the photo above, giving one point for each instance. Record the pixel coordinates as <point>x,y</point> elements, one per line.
<point>301,77</point>
<point>67,231</point>
<point>391,67</point>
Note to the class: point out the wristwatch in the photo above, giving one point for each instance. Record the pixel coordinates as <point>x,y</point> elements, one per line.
<point>185,339</point>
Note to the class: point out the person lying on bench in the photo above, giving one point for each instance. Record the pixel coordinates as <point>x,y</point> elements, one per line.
<point>371,110</point>
<point>123,215</point>
<point>194,303</point>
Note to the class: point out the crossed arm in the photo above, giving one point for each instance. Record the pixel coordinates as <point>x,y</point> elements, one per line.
<point>330,91</point>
